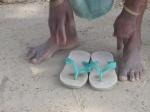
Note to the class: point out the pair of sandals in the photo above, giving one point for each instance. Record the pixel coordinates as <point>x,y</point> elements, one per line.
<point>98,68</point>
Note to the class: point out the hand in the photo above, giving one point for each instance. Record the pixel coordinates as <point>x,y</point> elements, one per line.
<point>59,18</point>
<point>124,28</point>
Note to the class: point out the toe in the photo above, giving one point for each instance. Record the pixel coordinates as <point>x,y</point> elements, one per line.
<point>137,75</point>
<point>39,57</point>
<point>131,76</point>
<point>31,53</point>
<point>34,61</point>
<point>123,76</point>
<point>141,74</point>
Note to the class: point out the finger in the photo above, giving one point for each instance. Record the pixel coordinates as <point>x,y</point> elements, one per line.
<point>57,37</point>
<point>70,15</point>
<point>53,28</point>
<point>61,33</point>
<point>70,26</point>
<point>119,43</point>
<point>125,41</point>
<point>61,36</point>
<point>115,31</point>
<point>31,53</point>
<point>131,76</point>
<point>129,38</point>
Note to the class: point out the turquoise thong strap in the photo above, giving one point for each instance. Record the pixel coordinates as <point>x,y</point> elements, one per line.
<point>77,71</point>
<point>88,67</point>
<point>101,71</point>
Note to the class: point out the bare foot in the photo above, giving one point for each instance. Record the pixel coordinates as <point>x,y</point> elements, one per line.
<point>38,54</point>
<point>131,67</point>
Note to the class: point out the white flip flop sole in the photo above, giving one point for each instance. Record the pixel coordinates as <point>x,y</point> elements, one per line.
<point>109,79</point>
<point>66,76</point>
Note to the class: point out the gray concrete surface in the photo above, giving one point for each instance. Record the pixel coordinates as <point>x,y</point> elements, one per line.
<point>36,88</point>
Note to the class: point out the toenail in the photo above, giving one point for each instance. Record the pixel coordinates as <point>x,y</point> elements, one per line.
<point>132,80</point>
<point>122,78</point>
<point>34,61</point>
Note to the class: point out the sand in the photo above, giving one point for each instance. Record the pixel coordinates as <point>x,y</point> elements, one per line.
<point>36,88</point>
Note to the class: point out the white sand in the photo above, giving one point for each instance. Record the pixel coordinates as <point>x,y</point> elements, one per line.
<point>28,88</point>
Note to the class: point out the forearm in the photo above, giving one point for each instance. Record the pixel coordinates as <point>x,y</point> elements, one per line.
<point>137,6</point>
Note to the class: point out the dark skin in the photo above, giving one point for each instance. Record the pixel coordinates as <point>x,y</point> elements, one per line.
<point>127,30</point>
<point>129,39</point>
<point>63,34</point>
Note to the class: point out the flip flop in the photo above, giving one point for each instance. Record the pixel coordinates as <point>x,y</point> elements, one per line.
<point>103,75</point>
<point>75,72</point>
